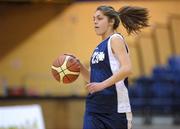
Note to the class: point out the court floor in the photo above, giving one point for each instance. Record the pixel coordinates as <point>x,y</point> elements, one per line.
<point>156,127</point>
<point>157,123</point>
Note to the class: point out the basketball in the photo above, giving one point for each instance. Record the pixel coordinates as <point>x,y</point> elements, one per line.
<point>65,68</point>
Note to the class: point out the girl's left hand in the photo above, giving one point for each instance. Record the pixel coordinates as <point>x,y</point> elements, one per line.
<point>94,87</point>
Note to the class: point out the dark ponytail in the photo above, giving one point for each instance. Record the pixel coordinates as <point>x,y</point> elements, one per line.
<point>133,18</point>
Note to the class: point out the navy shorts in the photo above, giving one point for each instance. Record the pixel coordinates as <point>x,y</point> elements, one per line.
<point>105,121</point>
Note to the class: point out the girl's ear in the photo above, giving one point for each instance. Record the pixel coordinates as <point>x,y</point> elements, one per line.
<point>112,21</point>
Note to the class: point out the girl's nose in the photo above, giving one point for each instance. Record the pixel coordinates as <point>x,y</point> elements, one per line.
<point>95,22</point>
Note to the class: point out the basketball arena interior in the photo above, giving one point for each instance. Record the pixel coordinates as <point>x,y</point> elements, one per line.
<point>33,33</point>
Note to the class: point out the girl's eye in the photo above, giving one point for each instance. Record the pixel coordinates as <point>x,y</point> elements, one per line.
<point>99,18</point>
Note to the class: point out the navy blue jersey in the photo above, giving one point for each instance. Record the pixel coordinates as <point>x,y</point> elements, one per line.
<point>103,65</point>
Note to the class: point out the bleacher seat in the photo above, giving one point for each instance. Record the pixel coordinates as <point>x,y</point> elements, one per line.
<point>174,63</point>
<point>176,95</point>
<point>139,94</point>
<point>162,99</point>
<point>161,92</point>
<point>162,73</point>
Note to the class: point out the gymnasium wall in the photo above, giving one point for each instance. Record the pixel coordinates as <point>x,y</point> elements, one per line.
<point>71,31</point>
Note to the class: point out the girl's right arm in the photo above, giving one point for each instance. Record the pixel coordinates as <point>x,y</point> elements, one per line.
<point>85,72</point>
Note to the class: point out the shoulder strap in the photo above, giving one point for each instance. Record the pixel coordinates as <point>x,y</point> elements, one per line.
<point>119,35</point>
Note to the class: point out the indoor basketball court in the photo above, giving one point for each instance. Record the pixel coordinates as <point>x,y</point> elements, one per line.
<point>44,43</point>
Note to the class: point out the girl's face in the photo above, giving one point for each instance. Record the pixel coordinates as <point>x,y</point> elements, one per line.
<point>101,23</point>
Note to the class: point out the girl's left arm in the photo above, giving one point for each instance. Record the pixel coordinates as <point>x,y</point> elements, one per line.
<point>119,50</point>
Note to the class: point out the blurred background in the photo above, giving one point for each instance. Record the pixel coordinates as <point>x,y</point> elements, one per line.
<point>33,33</point>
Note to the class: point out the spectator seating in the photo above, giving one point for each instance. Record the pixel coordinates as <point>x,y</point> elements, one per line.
<point>160,92</point>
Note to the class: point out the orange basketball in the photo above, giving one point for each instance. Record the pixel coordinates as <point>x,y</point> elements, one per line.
<point>65,68</point>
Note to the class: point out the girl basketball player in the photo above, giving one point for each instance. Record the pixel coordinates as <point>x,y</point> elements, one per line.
<point>107,104</point>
